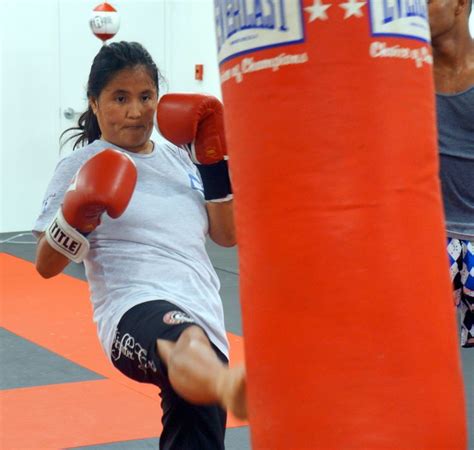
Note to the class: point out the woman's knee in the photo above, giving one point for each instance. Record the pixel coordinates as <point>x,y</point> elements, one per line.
<point>188,350</point>
<point>177,353</point>
<point>190,335</point>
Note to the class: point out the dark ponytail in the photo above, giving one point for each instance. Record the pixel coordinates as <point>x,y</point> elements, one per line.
<point>88,130</point>
<point>110,60</point>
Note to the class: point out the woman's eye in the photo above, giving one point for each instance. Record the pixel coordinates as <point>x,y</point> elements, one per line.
<point>145,98</point>
<point>120,99</point>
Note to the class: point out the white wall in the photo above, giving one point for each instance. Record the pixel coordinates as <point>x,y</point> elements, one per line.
<point>46,52</point>
<point>29,106</point>
<point>191,40</point>
<point>2,176</point>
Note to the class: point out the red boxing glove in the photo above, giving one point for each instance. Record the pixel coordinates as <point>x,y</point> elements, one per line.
<point>195,122</point>
<point>194,119</point>
<point>105,183</point>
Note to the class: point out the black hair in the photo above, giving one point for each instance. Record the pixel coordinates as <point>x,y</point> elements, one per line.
<point>111,59</point>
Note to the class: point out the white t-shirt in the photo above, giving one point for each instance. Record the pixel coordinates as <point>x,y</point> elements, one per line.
<point>155,250</point>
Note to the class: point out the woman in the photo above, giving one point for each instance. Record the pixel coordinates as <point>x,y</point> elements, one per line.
<point>154,291</point>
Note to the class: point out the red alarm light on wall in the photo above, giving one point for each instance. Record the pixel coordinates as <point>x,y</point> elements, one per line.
<point>199,72</point>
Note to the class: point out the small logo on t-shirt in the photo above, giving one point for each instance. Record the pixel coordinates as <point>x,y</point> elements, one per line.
<point>46,201</point>
<point>176,318</point>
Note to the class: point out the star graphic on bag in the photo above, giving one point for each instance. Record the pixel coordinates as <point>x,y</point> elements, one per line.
<point>352,8</point>
<point>317,10</point>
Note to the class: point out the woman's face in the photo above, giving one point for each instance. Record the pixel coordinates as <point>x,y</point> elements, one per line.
<point>125,109</point>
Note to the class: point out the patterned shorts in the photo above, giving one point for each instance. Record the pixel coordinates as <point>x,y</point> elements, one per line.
<point>461,261</point>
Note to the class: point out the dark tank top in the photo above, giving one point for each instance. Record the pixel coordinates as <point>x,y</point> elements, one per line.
<point>455,113</point>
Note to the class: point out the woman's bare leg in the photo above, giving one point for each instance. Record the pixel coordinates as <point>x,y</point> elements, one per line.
<point>197,374</point>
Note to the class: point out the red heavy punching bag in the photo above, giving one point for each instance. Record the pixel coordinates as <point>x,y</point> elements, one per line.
<point>349,324</point>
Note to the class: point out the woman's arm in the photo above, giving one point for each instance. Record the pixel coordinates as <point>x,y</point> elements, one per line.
<point>221,223</point>
<point>49,262</point>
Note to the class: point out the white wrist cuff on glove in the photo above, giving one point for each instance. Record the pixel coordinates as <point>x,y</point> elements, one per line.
<point>66,239</point>
<point>227,198</point>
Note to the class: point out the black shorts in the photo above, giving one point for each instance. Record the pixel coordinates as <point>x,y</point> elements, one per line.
<point>134,353</point>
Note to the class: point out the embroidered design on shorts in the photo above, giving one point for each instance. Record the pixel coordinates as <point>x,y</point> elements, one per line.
<point>126,346</point>
<point>176,318</point>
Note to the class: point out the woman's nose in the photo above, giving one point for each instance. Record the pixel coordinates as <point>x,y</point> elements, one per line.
<point>134,110</point>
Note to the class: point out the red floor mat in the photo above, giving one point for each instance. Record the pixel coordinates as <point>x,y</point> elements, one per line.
<point>56,314</point>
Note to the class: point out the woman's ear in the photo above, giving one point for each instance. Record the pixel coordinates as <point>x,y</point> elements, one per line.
<point>463,5</point>
<point>94,105</point>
